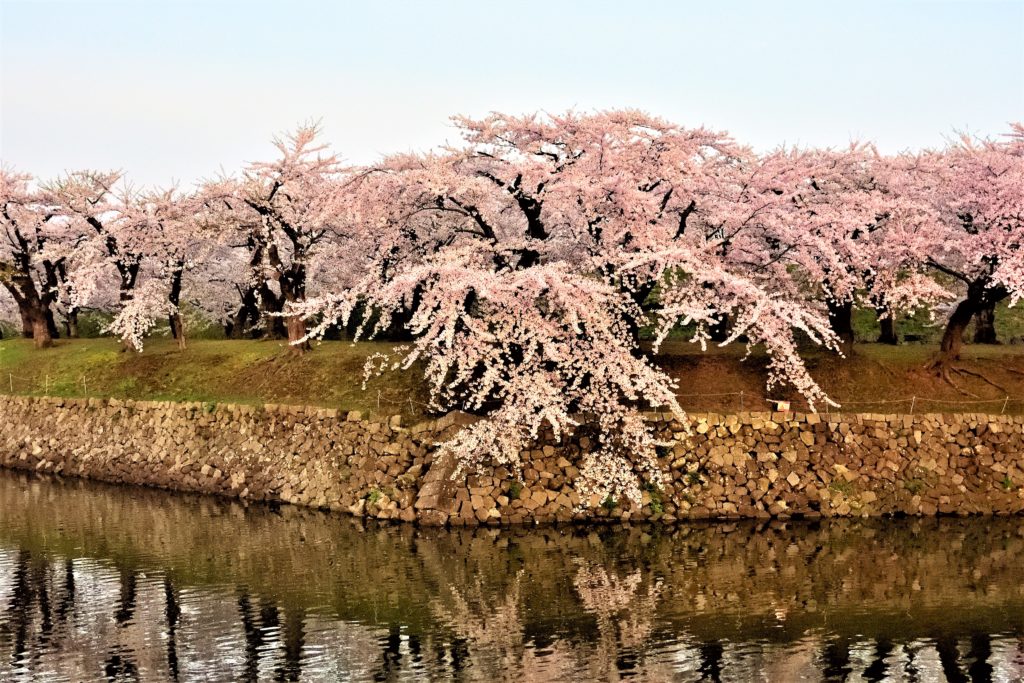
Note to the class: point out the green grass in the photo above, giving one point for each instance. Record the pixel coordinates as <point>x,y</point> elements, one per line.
<point>211,372</point>
<point>922,329</point>
<point>841,486</point>
<point>915,486</point>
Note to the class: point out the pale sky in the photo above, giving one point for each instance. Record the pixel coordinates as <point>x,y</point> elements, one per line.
<point>172,89</point>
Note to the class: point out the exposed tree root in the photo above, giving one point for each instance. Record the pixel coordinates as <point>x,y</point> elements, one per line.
<point>981,376</point>
<point>944,368</point>
<point>945,374</point>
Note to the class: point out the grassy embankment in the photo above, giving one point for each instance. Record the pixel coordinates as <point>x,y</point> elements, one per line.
<point>869,380</point>
<point>219,371</point>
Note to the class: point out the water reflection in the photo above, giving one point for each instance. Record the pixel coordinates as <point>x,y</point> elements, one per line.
<point>103,583</point>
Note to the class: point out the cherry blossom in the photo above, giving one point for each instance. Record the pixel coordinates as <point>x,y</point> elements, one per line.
<point>534,270</point>
<point>283,213</point>
<point>525,262</point>
<point>976,191</point>
<point>29,226</point>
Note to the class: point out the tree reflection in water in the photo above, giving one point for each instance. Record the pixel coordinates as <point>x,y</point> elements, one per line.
<point>102,583</point>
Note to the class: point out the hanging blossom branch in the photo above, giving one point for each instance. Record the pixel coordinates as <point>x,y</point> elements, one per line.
<point>693,293</point>
<point>533,349</point>
<point>137,317</point>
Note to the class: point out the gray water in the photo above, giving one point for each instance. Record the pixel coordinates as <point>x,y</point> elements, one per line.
<point>105,583</point>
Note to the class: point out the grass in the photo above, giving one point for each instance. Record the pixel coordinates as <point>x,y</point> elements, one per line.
<point>873,378</point>
<point>915,486</point>
<point>1009,323</point>
<point>841,486</point>
<point>210,372</point>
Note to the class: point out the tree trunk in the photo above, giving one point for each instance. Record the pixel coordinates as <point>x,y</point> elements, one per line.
<point>985,324</point>
<point>979,296</point>
<point>953,337</point>
<point>57,275</point>
<point>129,276</point>
<point>26,320</point>
<point>177,329</point>
<point>41,337</point>
<point>245,317</point>
<point>36,320</point>
<point>71,324</point>
<point>840,317</point>
<point>296,331</point>
<point>174,319</point>
<point>233,325</point>
<point>51,323</point>
<point>270,305</point>
<point>293,291</point>
<point>887,323</point>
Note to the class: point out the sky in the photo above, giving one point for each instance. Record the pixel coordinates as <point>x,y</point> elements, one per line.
<point>175,90</point>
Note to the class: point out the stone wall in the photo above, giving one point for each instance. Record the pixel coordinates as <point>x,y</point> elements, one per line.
<point>718,466</point>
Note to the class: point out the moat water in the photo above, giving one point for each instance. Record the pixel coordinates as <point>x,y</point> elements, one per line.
<point>106,583</point>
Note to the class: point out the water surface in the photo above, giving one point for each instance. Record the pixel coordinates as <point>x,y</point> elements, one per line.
<point>106,583</point>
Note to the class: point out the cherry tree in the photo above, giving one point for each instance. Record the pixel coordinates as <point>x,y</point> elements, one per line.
<point>282,213</point>
<point>31,279</point>
<point>527,260</point>
<point>975,187</point>
<point>102,257</point>
<point>162,228</point>
<point>842,227</point>
<point>235,260</point>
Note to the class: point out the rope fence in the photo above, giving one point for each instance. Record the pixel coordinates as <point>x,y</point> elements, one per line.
<point>743,401</point>
<point>16,384</point>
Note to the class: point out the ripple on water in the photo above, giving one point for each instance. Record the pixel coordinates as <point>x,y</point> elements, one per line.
<point>104,583</point>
